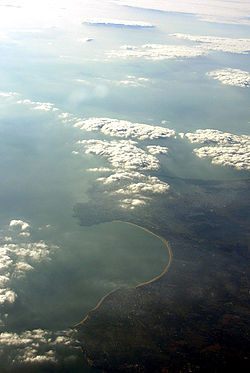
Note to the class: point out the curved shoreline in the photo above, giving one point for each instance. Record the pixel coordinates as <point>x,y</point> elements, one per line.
<point>141,284</point>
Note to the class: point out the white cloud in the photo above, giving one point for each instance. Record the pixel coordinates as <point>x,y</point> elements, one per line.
<point>157,149</point>
<point>132,81</point>
<point>123,128</point>
<point>18,255</point>
<point>225,149</point>
<point>20,224</point>
<point>121,176</point>
<point>233,77</point>
<point>130,203</point>
<point>157,52</point>
<point>9,94</point>
<point>216,43</point>
<point>223,11</point>
<point>203,46</point>
<point>21,268</point>
<point>7,239</point>
<point>152,185</point>
<point>24,234</point>
<point>34,346</point>
<point>215,137</point>
<point>36,105</point>
<point>4,280</point>
<point>127,159</point>
<point>116,22</point>
<point>122,154</point>
<point>7,296</point>
<point>99,169</point>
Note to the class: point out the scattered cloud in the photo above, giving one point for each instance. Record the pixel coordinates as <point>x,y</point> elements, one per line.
<point>123,128</point>
<point>117,23</point>
<point>35,346</point>
<point>225,149</point>
<point>233,77</point>
<point>18,255</point>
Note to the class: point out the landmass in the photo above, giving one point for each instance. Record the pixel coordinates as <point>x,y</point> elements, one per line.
<point>194,318</point>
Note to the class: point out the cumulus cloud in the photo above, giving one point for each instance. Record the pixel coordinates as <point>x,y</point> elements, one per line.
<point>34,346</point>
<point>117,23</point>
<point>216,43</point>
<point>121,176</point>
<point>233,77</point>
<point>225,149</point>
<point>7,296</point>
<point>9,94</point>
<point>36,105</point>
<point>223,11</point>
<point>123,128</point>
<point>135,183</point>
<point>122,154</point>
<point>157,149</point>
<point>99,169</point>
<point>18,255</point>
<point>125,179</point>
<point>155,186</point>
<point>132,81</point>
<point>24,234</point>
<point>19,224</point>
<point>130,203</point>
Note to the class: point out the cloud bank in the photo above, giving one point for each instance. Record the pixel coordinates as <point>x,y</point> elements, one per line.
<point>233,77</point>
